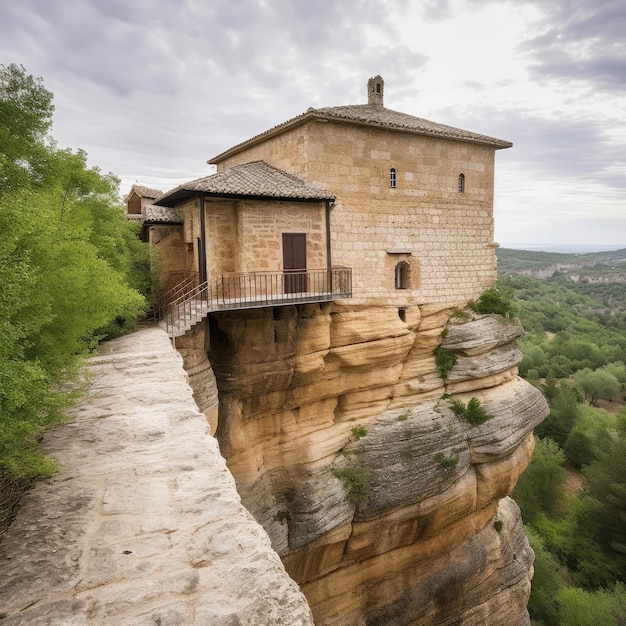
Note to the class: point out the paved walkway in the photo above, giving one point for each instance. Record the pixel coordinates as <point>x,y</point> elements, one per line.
<point>143,524</point>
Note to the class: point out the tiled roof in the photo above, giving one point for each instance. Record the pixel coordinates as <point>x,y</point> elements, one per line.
<point>371,115</point>
<point>152,213</point>
<point>255,179</point>
<point>144,192</point>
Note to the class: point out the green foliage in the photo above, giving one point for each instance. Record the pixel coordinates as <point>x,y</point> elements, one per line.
<point>597,385</point>
<point>444,360</point>
<point>565,411</point>
<point>581,608</point>
<point>547,581</point>
<point>576,333</point>
<point>403,417</point>
<point>447,462</point>
<point>70,266</point>
<point>461,314</point>
<point>540,488</point>
<point>358,432</point>
<point>355,479</point>
<point>457,406</point>
<point>494,300</point>
<point>578,448</point>
<point>498,525</point>
<point>474,412</point>
<point>605,496</point>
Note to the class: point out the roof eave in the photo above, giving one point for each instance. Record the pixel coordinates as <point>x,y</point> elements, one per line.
<point>185,194</point>
<point>315,115</point>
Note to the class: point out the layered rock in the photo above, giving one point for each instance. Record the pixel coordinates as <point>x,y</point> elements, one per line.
<point>385,505</point>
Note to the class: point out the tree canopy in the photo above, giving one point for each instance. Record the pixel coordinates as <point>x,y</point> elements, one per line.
<point>72,270</point>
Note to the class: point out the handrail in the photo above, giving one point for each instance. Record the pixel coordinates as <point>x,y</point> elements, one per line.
<point>256,290</point>
<point>189,281</point>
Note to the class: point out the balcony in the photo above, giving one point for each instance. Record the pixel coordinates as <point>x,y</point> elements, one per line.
<point>188,303</point>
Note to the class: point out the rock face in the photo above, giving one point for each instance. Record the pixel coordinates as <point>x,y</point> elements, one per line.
<point>143,524</point>
<point>385,505</point>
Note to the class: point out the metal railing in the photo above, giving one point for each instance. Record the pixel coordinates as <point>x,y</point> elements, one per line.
<point>255,290</point>
<point>185,285</point>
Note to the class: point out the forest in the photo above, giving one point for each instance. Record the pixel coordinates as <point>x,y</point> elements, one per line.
<point>573,493</point>
<point>72,273</point>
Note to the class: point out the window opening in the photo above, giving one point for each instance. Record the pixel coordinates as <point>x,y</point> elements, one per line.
<point>392,177</point>
<point>461,183</point>
<point>401,275</point>
<point>402,314</point>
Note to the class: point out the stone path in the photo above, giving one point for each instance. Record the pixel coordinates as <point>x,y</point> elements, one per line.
<point>142,525</point>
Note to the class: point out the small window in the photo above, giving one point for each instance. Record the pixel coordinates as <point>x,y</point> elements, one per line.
<point>392,177</point>
<point>401,275</point>
<point>461,183</point>
<point>402,314</point>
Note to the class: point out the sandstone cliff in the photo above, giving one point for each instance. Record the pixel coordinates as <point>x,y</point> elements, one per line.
<point>386,506</point>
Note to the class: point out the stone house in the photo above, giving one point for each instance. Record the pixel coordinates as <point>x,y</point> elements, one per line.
<point>402,207</point>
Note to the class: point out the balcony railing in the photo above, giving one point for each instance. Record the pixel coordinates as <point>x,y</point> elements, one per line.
<point>252,291</point>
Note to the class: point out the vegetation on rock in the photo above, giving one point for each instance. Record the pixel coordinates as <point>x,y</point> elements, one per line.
<point>444,360</point>
<point>474,412</point>
<point>494,300</point>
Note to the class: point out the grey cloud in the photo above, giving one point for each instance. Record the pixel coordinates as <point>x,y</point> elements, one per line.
<point>580,40</point>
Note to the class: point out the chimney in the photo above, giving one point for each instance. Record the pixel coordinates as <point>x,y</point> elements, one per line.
<point>375,89</point>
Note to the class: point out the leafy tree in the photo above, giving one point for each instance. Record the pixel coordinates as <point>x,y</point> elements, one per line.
<point>540,487</point>
<point>605,496</point>
<point>69,266</point>
<point>565,410</point>
<point>582,608</point>
<point>25,117</point>
<point>547,581</point>
<point>597,385</point>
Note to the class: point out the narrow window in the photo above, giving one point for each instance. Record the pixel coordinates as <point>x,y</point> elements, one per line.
<point>401,275</point>
<point>461,183</point>
<point>392,177</point>
<point>402,314</point>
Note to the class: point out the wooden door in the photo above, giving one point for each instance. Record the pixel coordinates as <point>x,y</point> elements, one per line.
<point>294,262</point>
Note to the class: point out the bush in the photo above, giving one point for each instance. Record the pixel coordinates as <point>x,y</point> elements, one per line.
<point>494,300</point>
<point>355,479</point>
<point>444,360</point>
<point>474,412</point>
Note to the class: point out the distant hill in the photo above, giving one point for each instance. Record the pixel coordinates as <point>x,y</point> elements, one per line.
<point>592,267</point>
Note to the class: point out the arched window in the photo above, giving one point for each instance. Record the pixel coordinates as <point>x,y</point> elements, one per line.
<point>461,183</point>
<point>402,275</point>
<point>392,177</point>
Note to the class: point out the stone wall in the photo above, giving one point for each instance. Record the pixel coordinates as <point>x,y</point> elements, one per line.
<point>445,236</point>
<point>246,235</point>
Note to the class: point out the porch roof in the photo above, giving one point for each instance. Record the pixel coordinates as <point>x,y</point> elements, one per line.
<point>256,179</point>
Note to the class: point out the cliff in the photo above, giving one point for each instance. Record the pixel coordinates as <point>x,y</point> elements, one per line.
<point>386,505</point>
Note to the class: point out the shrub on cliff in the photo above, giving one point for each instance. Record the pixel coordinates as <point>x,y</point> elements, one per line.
<point>494,300</point>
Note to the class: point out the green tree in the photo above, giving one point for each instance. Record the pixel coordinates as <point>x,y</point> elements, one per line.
<point>67,257</point>
<point>540,488</point>
<point>605,496</point>
<point>597,385</point>
<point>583,608</point>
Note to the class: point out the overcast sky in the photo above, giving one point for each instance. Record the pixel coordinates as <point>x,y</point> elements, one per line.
<point>151,89</point>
